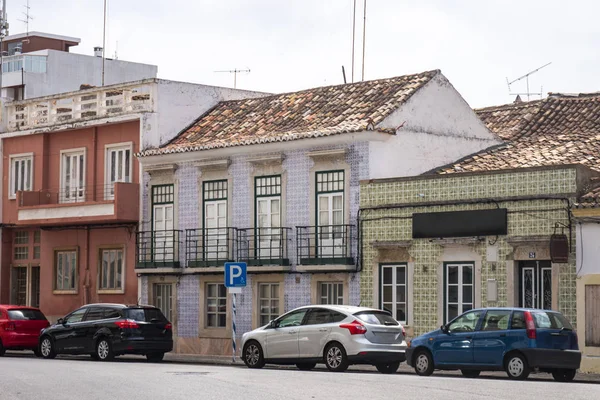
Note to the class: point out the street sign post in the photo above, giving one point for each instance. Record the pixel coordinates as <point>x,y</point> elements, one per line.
<point>235,280</point>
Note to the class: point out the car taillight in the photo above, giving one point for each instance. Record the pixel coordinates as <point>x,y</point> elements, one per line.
<point>403,331</point>
<point>127,323</point>
<point>530,326</point>
<point>168,326</point>
<point>10,326</point>
<point>355,328</point>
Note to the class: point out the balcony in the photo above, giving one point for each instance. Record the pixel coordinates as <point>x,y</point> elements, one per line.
<point>210,247</point>
<point>116,203</point>
<point>264,246</point>
<point>325,245</point>
<point>83,105</point>
<point>158,249</point>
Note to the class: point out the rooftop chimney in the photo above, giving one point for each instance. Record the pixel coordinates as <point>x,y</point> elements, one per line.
<point>98,51</point>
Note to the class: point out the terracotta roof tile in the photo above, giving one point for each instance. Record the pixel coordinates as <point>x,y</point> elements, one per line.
<point>309,113</point>
<point>508,120</point>
<point>564,130</point>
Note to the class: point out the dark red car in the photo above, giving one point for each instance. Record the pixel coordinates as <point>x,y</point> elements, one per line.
<point>20,328</point>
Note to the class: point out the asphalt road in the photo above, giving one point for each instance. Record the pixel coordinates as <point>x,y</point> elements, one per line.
<point>25,378</point>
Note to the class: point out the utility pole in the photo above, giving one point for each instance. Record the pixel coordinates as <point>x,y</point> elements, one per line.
<point>353,34</point>
<point>3,33</point>
<point>104,43</point>
<point>364,35</point>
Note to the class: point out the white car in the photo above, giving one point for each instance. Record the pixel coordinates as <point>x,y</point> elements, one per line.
<point>337,336</point>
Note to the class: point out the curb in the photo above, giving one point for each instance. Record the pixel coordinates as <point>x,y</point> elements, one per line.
<point>403,370</point>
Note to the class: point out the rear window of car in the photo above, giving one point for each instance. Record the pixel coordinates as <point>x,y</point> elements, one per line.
<point>146,314</point>
<point>376,318</point>
<point>550,320</point>
<point>26,315</point>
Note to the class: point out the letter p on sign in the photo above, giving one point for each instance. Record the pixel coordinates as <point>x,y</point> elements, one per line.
<point>235,275</point>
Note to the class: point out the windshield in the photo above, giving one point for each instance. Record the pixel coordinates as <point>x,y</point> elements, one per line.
<point>26,315</point>
<point>376,318</point>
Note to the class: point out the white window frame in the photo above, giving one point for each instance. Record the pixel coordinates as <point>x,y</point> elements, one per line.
<point>75,284</point>
<point>329,285</point>
<point>394,286</point>
<point>68,152</point>
<point>164,301</point>
<point>460,303</point>
<point>217,313</point>
<point>114,289</point>
<point>109,193</point>
<point>12,191</point>
<point>270,299</point>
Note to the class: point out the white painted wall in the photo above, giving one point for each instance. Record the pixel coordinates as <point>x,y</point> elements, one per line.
<point>67,71</point>
<point>588,248</point>
<point>92,210</point>
<point>438,127</point>
<point>178,104</point>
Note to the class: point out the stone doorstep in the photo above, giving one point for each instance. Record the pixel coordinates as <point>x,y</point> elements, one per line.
<point>404,368</point>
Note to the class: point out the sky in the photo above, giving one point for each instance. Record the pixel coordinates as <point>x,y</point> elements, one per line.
<point>291,45</point>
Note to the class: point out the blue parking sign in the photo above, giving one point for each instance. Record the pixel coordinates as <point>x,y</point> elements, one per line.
<point>235,274</point>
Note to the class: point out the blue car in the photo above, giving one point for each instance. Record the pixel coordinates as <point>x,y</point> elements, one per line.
<point>516,340</point>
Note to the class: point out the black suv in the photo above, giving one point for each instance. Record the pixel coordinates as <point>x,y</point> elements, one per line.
<point>108,330</point>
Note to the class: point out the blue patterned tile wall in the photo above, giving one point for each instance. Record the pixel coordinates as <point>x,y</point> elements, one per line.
<point>188,301</point>
<point>297,165</point>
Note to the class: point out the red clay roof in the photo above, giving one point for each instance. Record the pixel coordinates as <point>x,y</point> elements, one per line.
<point>510,119</point>
<point>317,112</point>
<point>564,130</point>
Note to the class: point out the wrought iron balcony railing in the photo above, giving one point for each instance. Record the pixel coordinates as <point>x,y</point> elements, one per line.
<point>158,249</point>
<point>264,246</point>
<point>210,247</point>
<point>325,244</point>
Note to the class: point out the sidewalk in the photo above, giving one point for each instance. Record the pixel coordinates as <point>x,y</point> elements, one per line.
<point>404,368</point>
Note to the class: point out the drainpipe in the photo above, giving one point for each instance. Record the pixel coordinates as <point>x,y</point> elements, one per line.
<point>86,279</point>
<point>94,166</point>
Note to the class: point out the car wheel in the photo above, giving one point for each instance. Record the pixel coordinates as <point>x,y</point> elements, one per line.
<point>389,368</point>
<point>516,367</point>
<point>104,350</point>
<point>470,373</point>
<point>47,348</point>
<point>155,357</point>
<point>306,366</point>
<point>2,350</point>
<point>336,359</point>
<point>564,375</point>
<point>253,355</point>
<point>423,363</point>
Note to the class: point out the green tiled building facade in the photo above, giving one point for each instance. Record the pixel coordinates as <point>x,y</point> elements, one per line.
<point>417,279</point>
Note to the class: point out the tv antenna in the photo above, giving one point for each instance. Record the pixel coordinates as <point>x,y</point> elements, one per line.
<point>235,71</point>
<point>27,16</point>
<point>526,77</point>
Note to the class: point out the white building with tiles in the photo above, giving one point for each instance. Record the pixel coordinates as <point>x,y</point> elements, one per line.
<point>274,182</point>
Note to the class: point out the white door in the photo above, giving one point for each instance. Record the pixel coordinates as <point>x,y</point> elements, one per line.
<point>268,235</point>
<point>215,230</point>
<point>118,168</point>
<point>164,246</point>
<point>73,177</point>
<point>330,232</point>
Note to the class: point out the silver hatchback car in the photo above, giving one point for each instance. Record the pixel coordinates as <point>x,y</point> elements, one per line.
<point>337,336</point>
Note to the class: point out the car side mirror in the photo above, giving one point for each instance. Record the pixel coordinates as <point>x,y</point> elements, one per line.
<point>444,328</point>
<point>273,324</point>
<point>60,321</point>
